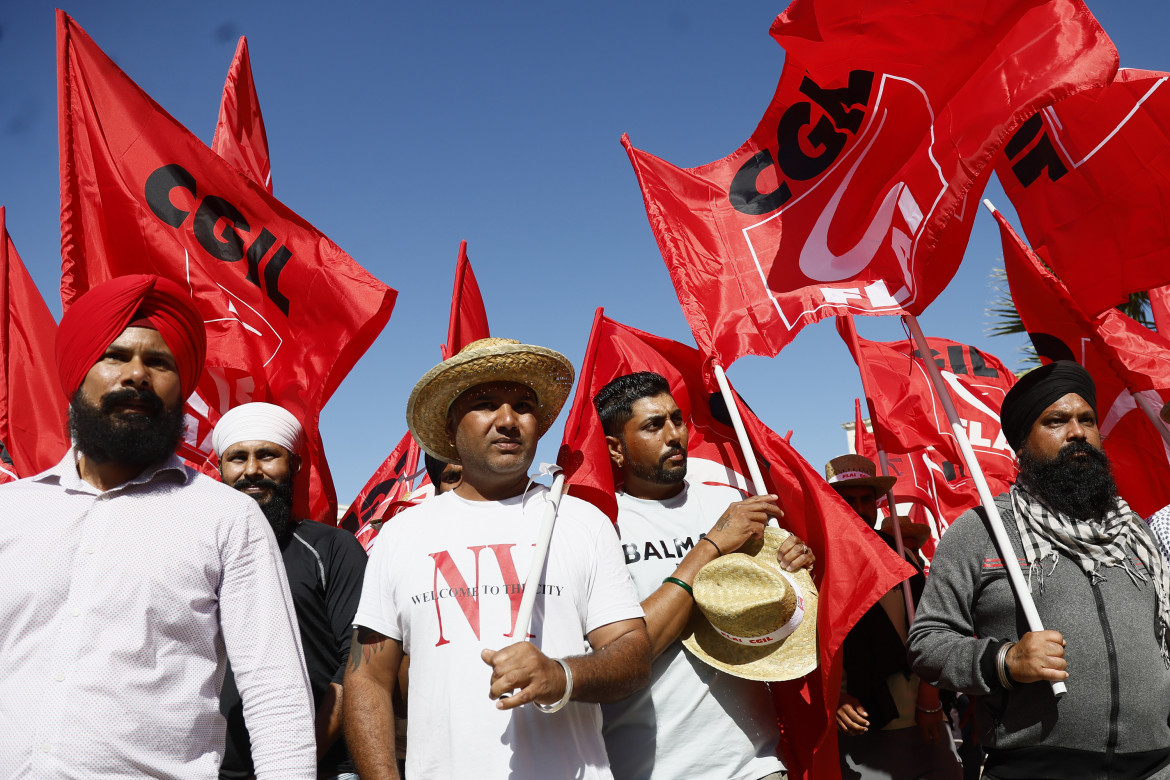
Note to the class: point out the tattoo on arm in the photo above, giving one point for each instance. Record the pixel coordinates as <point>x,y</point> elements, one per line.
<point>365,645</point>
<point>724,521</point>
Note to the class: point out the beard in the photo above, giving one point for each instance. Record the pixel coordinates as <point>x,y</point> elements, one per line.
<point>660,473</point>
<point>136,440</point>
<point>1080,487</point>
<point>276,506</point>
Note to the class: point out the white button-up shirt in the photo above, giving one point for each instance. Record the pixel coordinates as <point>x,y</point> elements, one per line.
<point>118,611</point>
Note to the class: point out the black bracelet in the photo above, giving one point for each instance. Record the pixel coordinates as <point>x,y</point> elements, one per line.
<point>708,539</point>
<point>681,584</point>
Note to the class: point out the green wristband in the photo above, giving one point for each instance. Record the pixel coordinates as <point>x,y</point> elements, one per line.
<point>681,584</point>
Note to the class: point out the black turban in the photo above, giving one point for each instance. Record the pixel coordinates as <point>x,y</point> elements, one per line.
<point>1036,391</point>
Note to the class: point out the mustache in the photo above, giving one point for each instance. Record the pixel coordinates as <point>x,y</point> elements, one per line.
<point>145,396</point>
<point>243,483</point>
<point>1078,447</point>
<point>671,453</point>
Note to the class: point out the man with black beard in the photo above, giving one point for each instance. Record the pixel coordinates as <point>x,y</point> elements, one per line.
<point>129,579</point>
<point>1100,587</point>
<point>258,445</point>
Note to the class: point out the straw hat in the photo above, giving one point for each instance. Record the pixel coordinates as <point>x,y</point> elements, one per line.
<point>747,605</point>
<point>914,535</point>
<point>547,372</point>
<point>852,470</point>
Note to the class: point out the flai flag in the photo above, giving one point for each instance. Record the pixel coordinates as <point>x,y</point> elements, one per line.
<point>1090,180</point>
<point>240,137</point>
<point>854,567</point>
<point>857,191</point>
<point>908,415</point>
<point>33,422</point>
<point>287,312</point>
<point>1123,358</point>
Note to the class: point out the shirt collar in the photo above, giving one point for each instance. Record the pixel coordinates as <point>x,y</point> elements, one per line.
<point>66,475</point>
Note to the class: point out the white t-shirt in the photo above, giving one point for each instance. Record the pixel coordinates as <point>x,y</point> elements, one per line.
<point>446,578</point>
<point>693,721</point>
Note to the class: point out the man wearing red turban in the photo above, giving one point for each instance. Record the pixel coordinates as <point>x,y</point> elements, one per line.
<point>130,579</point>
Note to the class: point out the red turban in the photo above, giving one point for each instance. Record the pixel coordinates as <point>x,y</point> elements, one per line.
<point>97,318</point>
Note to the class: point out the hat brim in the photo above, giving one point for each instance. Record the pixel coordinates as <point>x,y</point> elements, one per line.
<point>910,530</point>
<point>546,371</point>
<point>881,484</point>
<point>789,659</point>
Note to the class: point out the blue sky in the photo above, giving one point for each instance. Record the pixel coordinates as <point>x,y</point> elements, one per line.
<point>399,129</point>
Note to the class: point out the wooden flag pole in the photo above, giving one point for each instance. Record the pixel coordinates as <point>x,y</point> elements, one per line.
<point>1002,543</point>
<point>884,464</point>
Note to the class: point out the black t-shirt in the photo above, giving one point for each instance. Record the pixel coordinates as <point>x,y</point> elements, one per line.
<point>325,567</point>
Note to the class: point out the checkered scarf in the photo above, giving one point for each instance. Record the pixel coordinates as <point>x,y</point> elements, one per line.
<point>1111,541</point>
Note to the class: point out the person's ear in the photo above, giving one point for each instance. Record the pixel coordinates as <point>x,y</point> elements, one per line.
<point>617,451</point>
<point>294,464</point>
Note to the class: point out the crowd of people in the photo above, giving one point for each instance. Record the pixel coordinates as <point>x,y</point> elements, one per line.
<point>156,622</point>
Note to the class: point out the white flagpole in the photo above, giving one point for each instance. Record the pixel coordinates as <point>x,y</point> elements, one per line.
<point>1011,563</point>
<point>539,557</point>
<point>540,554</point>
<point>745,444</point>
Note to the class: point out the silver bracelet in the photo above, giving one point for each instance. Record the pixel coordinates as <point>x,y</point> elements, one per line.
<point>1001,665</point>
<point>551,708</point>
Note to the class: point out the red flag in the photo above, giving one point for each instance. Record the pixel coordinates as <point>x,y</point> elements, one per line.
<point>386,493</point>
<point>946,489</point>
<point>239,135</point>
<point>288,313</point>
<point>468,321</point>
<point>1122,356</point>
<point>857,567</point>
<point>33,423</point>
<point>1090,178</point>
<point>908,415</point>
<point>1160,308</point>
<point>857,190</point>
<point>863,443</point>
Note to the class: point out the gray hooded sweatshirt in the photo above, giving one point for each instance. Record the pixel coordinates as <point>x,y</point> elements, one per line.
<point>1114,721</point>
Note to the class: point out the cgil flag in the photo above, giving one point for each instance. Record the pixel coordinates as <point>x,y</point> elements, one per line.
<point>1123,358</point>
<point>34,427</point>
<point>855,567</point>
<point>287,312</point>
<point>857,191</point>
<point>1089,178</point>
<point>240,137</point>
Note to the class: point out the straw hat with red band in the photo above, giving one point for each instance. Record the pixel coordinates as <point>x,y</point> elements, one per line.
<point>856,470</point>
<point>753,619</point>
<point>546,371</point>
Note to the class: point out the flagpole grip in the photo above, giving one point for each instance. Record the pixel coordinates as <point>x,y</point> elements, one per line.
<point>745,444</point>
<point>1002,543</point>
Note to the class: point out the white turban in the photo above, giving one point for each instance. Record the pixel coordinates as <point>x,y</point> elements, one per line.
<point>257,422</point>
